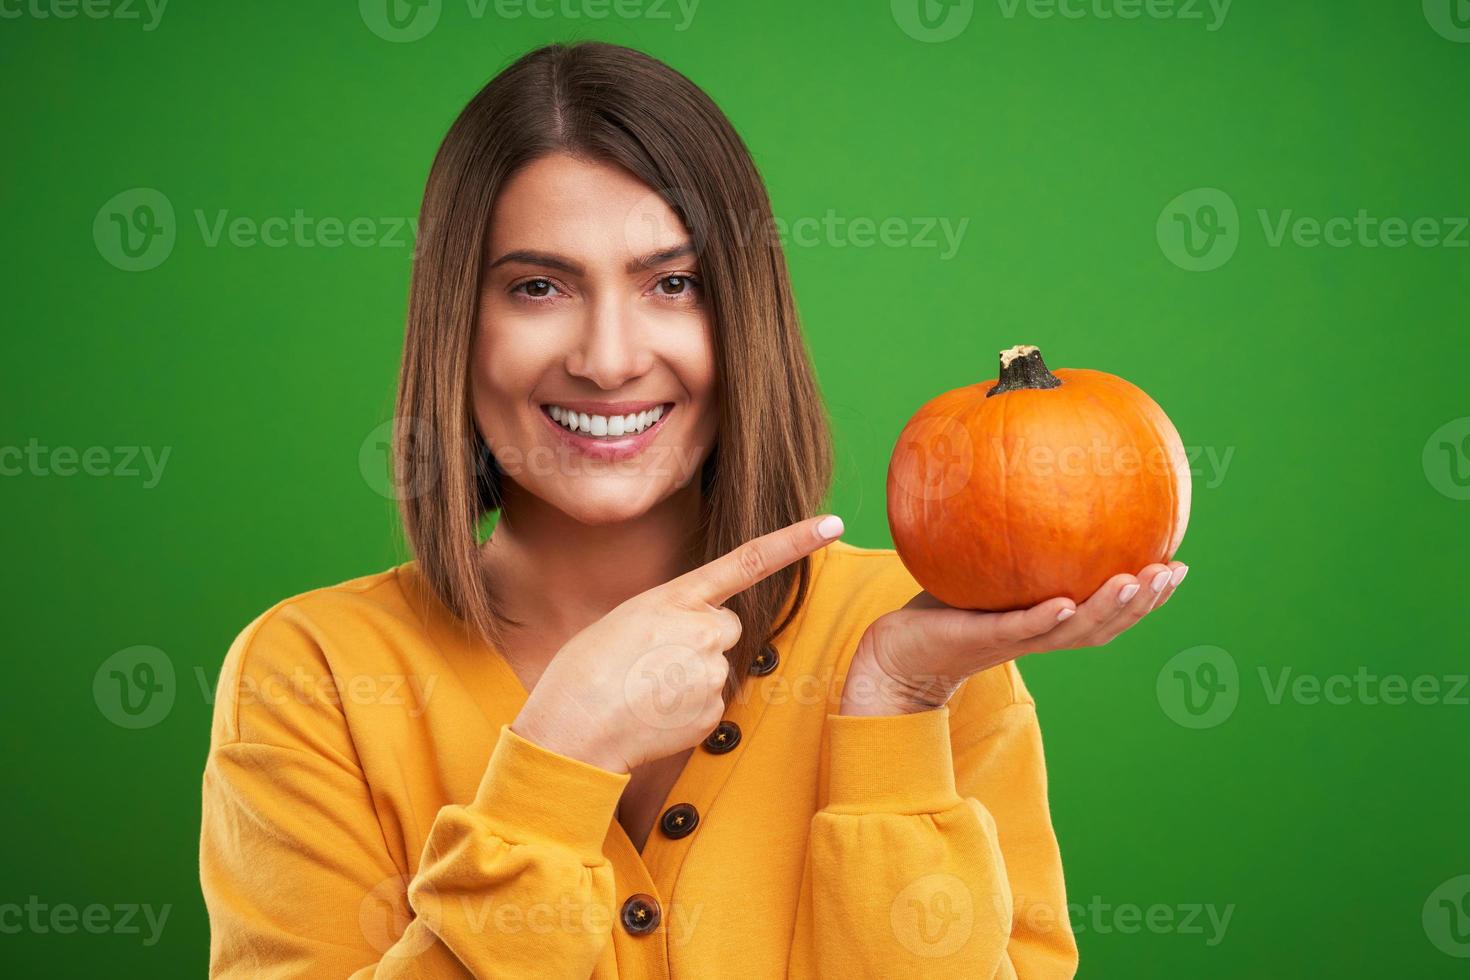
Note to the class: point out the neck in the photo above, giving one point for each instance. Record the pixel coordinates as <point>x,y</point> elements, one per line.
<point>558,575</point>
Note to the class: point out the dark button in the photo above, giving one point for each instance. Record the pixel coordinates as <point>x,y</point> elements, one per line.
<point>724,738</point>
<point>679,820</point>
<point>765,661</point>
<point>640,914</point>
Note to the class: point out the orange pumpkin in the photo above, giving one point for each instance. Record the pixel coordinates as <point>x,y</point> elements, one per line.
<point>1009,492</point>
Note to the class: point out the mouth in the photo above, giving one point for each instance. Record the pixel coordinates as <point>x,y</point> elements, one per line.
<point>607,436</point>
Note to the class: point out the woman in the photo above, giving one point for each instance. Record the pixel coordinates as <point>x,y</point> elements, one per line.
<point>659,722</point>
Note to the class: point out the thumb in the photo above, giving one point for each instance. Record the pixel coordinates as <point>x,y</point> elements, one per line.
<point>962,631</point>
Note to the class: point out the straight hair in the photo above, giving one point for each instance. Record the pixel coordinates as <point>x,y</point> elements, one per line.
<point>771,464</point>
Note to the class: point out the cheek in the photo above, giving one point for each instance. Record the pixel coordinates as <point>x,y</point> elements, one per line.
<point>695,366</point>
<point>502,375</point>
<point>692,357</point>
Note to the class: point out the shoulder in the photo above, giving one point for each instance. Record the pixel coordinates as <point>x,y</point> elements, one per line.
<point>872,576</point>
<point>857,585</point>
<point>282,672</point>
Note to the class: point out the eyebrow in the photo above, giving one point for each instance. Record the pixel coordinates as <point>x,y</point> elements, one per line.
<point>551,260</point>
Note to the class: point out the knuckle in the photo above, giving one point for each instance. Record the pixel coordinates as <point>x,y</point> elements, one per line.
<point>1010,632</point>
<point>954,634</point>
<point>751,560</point>
<point>885,631</point>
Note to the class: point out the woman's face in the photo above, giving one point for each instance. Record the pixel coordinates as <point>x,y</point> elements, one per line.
<point>591,305</point>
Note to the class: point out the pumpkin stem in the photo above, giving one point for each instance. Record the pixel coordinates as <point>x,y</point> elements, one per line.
<point>1022,367</point>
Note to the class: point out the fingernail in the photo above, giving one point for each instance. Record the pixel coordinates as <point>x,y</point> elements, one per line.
<point>1160,580</point>
<point>830,526</point>
<point>1129,591</point>
<point>1065,615</point>
<point>1178,575</point>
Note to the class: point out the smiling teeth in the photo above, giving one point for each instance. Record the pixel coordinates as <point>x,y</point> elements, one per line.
<point>603,425</point>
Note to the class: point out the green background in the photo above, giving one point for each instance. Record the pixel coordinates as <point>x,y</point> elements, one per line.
<point>1331,543</point>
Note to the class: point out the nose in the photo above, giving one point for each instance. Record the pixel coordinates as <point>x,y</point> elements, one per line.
<point>610,350</point>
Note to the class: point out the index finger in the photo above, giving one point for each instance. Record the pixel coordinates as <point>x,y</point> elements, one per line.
<point>740,568</point>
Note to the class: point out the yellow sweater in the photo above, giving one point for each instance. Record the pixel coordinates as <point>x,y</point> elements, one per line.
<point>368,812</point>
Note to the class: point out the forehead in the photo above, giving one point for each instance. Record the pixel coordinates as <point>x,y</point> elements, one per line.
<point>593,211</point>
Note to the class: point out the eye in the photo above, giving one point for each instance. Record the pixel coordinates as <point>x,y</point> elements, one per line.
<point>677,286</point>
<point>535,289</point>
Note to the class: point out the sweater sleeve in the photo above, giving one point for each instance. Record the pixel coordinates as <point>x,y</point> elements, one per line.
<point>299,879</point>
<point>934,855</point>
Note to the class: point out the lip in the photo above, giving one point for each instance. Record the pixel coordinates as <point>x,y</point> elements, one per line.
<point>609,408</point>
<point>609,450</point>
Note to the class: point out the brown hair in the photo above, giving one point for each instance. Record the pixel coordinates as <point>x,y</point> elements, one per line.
<point>772,461</point>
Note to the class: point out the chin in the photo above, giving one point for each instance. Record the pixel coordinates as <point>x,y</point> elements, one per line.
<point>612,501</point>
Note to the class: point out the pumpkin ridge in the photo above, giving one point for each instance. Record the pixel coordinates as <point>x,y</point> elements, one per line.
<point>1146,419</point>
<point>1119,424</point>
<point>1005,497</point>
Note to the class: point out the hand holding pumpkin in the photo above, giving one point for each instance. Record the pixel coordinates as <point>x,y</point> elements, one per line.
<point>1010,501</point>
<point>914,658</point>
